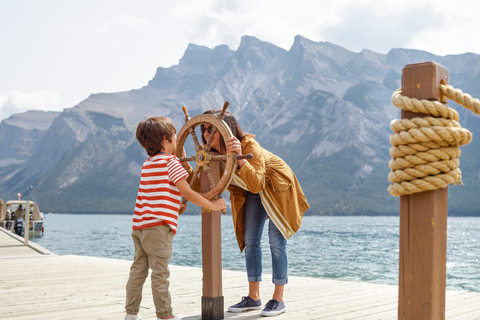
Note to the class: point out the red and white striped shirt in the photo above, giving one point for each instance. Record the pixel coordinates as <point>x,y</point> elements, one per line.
<point>158,198</point>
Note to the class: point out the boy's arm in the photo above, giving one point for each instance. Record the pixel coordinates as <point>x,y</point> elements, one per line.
<point>197,199</point>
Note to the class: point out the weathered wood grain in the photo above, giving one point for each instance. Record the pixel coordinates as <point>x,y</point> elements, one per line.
<point>36,286</point>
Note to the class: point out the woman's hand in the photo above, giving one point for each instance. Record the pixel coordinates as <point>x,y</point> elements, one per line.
<point>234,145</point>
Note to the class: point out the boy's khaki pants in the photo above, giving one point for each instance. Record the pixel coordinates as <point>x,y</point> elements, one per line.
<point>153,249</point>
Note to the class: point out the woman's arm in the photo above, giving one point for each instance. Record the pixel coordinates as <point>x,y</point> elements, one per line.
<point>252,171</point>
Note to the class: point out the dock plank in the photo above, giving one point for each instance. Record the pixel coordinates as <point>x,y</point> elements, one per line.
<point>46,286</point>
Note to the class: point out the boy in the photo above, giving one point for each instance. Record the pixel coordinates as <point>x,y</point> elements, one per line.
<point>163,181</point>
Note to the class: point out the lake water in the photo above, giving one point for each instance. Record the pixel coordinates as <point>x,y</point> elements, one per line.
<point>343,248</point>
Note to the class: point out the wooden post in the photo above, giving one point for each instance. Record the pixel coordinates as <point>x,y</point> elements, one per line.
<point>212,298</point>
<point>423,219</point>
<point>27,223</point>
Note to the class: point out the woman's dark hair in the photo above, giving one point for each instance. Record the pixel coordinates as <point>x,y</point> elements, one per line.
<point>232,122</point>
<point>151,133</point>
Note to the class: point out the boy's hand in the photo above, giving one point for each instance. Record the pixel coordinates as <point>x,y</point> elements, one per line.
<point>197,199</point>
<point>219,205</point>
<point>182,208</point>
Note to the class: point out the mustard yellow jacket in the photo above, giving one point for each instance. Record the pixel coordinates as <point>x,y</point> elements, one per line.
<point>280,192</point>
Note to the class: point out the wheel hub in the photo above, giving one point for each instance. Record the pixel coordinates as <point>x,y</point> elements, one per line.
<point>202,157</point>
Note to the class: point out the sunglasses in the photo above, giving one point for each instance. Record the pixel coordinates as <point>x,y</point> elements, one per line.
<point>209,129</point>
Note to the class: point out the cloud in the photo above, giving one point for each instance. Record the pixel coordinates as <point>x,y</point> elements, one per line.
<point>215,22</point>
<point>123,20</point>
<point>376,25</point>
<point>17,102</point>
<point>344,22</point>
<point>3,100</point>
<point>379,26</point>
<point>119,47</point>
<point>459,34</point>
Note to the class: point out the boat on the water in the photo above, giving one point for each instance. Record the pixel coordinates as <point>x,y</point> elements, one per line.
<point>13,215</point>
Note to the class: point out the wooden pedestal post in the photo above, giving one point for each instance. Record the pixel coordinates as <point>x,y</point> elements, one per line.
<point>423,219</point>
<point>27,224</point>
<point>212,298</point>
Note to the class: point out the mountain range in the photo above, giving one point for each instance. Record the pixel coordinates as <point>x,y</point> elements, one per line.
<point>322,108</point>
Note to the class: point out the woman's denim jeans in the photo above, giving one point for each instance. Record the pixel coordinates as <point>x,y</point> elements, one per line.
<point>255,217</point>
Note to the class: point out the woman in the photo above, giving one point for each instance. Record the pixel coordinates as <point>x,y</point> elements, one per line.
<point>263,187</point>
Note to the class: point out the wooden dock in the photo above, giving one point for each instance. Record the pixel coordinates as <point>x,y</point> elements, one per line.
<point>36,284</point>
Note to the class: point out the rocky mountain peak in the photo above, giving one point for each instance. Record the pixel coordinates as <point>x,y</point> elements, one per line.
<point>20,135</point>
<point>258,56</point>
<point>320,50</point>
<point>32,120</point>
<point>322,108</point>
<point>204,57</point>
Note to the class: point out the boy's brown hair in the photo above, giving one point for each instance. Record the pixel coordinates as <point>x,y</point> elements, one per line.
<point>151,133</point>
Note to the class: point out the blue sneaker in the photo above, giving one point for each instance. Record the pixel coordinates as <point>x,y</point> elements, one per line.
<point>273,308</point>
<point>246,304</point>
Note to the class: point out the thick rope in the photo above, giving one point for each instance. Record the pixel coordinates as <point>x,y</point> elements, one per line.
<point>425,151</point>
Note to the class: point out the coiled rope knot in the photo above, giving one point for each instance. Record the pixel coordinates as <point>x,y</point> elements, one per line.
<point>425,151</point>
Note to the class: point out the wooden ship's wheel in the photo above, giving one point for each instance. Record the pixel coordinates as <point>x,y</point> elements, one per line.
<point>204,156</point>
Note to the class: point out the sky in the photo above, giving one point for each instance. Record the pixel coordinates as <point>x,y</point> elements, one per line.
<point>55,53</point>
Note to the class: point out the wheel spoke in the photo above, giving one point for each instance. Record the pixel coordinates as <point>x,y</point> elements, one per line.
<point>195,176</point>
<point>183,159</point>
<point>193,133</point>
<point>220,157</point>
<point>192,182</point>
<point>208,171</point>
<point>184,201</point>
<point>210,139</point>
